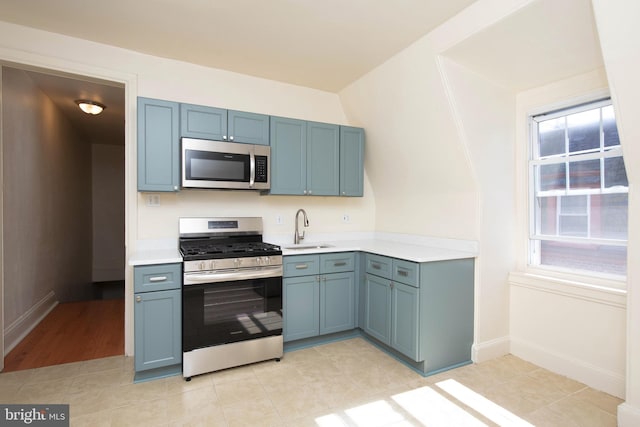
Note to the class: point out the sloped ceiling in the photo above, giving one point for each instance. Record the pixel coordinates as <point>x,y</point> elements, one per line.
<point>323,44</point>
<point>546,41</point>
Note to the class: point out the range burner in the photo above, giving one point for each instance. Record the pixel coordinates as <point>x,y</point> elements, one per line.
<point>217,238</point>
<point>204,249</point>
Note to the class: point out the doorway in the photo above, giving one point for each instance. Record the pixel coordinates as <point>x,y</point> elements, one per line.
<point>63,202</point>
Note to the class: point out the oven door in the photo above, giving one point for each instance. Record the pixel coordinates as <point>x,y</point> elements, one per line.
<point>226,165</point>
<point>232,311</point>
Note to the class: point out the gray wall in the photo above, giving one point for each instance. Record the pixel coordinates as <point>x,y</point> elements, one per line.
<point>47,204</point>
<point>108,212</point>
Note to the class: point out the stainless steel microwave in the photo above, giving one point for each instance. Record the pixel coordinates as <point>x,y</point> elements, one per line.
<point>225,165</point>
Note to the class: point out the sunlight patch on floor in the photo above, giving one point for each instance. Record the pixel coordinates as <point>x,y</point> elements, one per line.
<point>481,404</point>
<point>431,408</point>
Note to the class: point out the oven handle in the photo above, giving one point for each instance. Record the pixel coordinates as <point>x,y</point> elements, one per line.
<point>229,275</point>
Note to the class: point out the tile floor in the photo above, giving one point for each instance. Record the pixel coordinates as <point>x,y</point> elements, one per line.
<point>346,383</point>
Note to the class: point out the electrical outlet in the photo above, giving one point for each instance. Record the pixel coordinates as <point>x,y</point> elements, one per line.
<point>153,200</point>
<point>346,218</point>
<point>279,219</point>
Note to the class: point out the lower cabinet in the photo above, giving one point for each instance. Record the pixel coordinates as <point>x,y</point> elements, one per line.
<point>157,321</point>
<point>317,301</point>
<point>421,310</point>
<point>392,314</point>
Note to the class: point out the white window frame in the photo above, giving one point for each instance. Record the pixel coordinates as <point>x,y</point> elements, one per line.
<point>534,239</point>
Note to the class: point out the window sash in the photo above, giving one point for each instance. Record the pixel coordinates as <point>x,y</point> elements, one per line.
<point>536,162</point>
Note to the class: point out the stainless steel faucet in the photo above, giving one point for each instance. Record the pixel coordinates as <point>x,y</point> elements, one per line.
<point>297,237</point>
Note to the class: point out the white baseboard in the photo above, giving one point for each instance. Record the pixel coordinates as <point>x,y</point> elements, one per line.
<point>628,415</point>
<point>576,369</point>
<point>488,350</point>
<point>20,328</point>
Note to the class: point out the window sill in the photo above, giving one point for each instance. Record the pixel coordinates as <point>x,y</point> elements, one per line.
<point>601,291</point>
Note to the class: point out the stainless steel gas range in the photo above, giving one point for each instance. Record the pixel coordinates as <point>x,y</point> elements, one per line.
<point>231,294</point>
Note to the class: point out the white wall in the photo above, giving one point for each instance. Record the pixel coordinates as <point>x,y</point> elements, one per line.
<point>485,115</point>
<point>617,22</point>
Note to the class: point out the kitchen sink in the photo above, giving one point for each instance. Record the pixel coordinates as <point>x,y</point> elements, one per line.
<point>308,246</point>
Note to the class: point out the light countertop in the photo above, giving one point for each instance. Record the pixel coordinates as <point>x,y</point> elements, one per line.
<point>411,248</point>
<point>408,251</point>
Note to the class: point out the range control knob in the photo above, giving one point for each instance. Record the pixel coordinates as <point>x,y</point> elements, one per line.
<point>212,265</point>
<point>266,260</point>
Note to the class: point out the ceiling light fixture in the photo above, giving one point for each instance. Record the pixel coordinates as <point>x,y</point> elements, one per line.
<point>90,107</point>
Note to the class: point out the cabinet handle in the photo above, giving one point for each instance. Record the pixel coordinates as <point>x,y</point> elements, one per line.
<point>309,192</point>
<point>138,298</point>
<point>375,266</point>
<point>304,192</point>
<point>302,266</point>
<point>158,279</point>
<point>224,137</point>
<point>403,273</point>
<point>175,187</point>
<point>344,193</point>
<point>340,264</point>
<point>231,138</point>
<point>391,285</point>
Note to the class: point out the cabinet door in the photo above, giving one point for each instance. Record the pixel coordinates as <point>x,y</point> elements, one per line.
<point>351,161</point>
<point>378,308</point>
<point>158,145</point>
<point>404,319</point>
<point>301,307</point>
<point>337,307</point>
<point>197,121</point>
<point>248,128</point>
<point>158,335</point>
<point>323,159</point>
<point>288,156</point>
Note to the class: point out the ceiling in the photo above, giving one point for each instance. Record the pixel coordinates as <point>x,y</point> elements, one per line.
<point>104,128</point>
<point>322,44</point>
<point>544,42</point>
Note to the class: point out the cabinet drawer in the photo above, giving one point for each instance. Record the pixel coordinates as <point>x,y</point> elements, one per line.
<point>157,277</point>
<point>339,262</point>
<point>301,265</point>
<point>406,272</point>
<point>378,265</point>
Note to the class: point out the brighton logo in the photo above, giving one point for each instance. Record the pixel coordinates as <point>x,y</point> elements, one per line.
<point>37,415</point>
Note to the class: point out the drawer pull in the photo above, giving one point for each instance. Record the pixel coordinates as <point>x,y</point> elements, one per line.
<point>158,279</point>
<point>403,273</point>
<point>340,264</point>
<point>375,266</point>
<point>302,266</point>
<point>138,298</point>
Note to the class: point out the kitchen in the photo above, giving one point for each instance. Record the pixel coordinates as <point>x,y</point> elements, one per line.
<point>475,202</point>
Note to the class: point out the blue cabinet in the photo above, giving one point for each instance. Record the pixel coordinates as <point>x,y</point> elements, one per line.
<point>421,310</point>
<point>197,121</point>
<point>351,161</point>
<point>323,159</point>
<point>319,295</point>
<point>392,307</point>
<point>288,156</point>
<point>316,159</point>
<point>158,145</point>
<point>157,321</point>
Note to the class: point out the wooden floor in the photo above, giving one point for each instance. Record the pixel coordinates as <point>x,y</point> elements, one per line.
<point>72,332</point>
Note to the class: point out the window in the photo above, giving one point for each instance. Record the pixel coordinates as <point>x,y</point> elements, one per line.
<point>579,191</point>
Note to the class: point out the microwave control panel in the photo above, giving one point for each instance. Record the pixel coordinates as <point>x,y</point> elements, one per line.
<point>261,169</point>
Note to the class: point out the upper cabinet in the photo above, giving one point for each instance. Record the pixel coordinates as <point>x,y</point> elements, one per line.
<point>307,158</point>
<point>323,159</point>
<point>315,159</point>
<point>351,161</point>
<point>158,145</point>
<point>223,125</point>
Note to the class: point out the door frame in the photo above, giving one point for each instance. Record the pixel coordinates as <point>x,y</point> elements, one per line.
<point>27,60</point>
